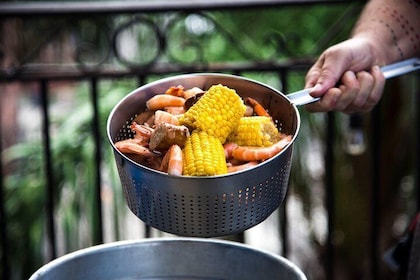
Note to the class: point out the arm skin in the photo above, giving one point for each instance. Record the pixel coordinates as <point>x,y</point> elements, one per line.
<point>387,31</point>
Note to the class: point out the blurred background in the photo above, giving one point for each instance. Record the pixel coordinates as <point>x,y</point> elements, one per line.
<point>63,66</point>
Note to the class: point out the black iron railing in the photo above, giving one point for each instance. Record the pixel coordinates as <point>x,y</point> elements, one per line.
<point>113,65</point>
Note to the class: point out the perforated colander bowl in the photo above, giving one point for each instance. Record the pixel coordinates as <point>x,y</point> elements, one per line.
<point>204,206</point>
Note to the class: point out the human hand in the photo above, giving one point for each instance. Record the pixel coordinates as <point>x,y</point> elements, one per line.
<point>346,78</point>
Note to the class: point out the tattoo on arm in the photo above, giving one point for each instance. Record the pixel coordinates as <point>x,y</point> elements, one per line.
<point>394,38</point>
<point>400,26</point>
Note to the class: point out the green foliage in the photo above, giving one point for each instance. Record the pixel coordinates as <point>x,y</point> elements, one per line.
<point>261,35</point>
<point>73,175</point>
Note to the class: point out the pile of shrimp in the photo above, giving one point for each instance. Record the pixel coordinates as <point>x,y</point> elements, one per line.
<point>158,136</point>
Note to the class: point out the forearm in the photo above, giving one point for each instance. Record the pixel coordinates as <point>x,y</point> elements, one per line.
<point>392,27</point>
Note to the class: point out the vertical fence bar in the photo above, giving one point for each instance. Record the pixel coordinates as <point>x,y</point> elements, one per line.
<point>98,223</point>
<point>330,194</point>
<point>375,192</point>
<point>417,141</point>
<point>50,194</point>
<point>5,272</point>
<point>283,213</point>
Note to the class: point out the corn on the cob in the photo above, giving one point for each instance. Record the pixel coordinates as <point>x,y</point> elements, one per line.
<point>203,155</point>
<point>217,112</point>
<point>256,131</point>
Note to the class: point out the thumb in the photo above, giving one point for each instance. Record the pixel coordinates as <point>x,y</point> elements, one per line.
<point>330,74</point>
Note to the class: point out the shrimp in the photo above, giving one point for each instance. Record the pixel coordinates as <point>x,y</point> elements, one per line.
<point>175,110</point>
<point>247,153</point>
<point>172,161</point>
<point>258,108</point>
<point>142,131</point>
<point>144,117</point>
<point>134,146</point>
<point>160,101</point>
<point>175,91</point>
<point>229,147</point>
<point>243,166</point>
<point>165,117</point>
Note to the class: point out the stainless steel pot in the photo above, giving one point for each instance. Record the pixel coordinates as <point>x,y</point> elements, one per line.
<point>170,258</point>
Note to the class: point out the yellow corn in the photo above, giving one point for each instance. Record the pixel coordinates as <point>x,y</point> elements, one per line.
<point>203,155</point>
<point>254,131</point>
<point>217,112</point>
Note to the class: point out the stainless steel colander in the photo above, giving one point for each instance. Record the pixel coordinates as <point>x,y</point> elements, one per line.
<point>214,205</point>
<point>204,206</point>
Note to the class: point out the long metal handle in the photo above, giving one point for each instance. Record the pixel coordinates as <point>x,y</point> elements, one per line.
<point>302,97</point>
<point>400,68</point>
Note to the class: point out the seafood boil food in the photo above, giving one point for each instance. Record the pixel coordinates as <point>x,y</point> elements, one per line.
<point>202,132</point>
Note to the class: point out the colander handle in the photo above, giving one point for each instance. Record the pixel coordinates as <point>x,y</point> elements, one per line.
<point>303,97</point>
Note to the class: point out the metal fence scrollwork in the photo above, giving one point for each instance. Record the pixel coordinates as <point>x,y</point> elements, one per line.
<point>179,41</point>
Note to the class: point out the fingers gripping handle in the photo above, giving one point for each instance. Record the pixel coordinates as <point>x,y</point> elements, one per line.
<point>303,97</point>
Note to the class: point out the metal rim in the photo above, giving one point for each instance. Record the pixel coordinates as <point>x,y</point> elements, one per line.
<point>168,79</point>
<point>132,243</point>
